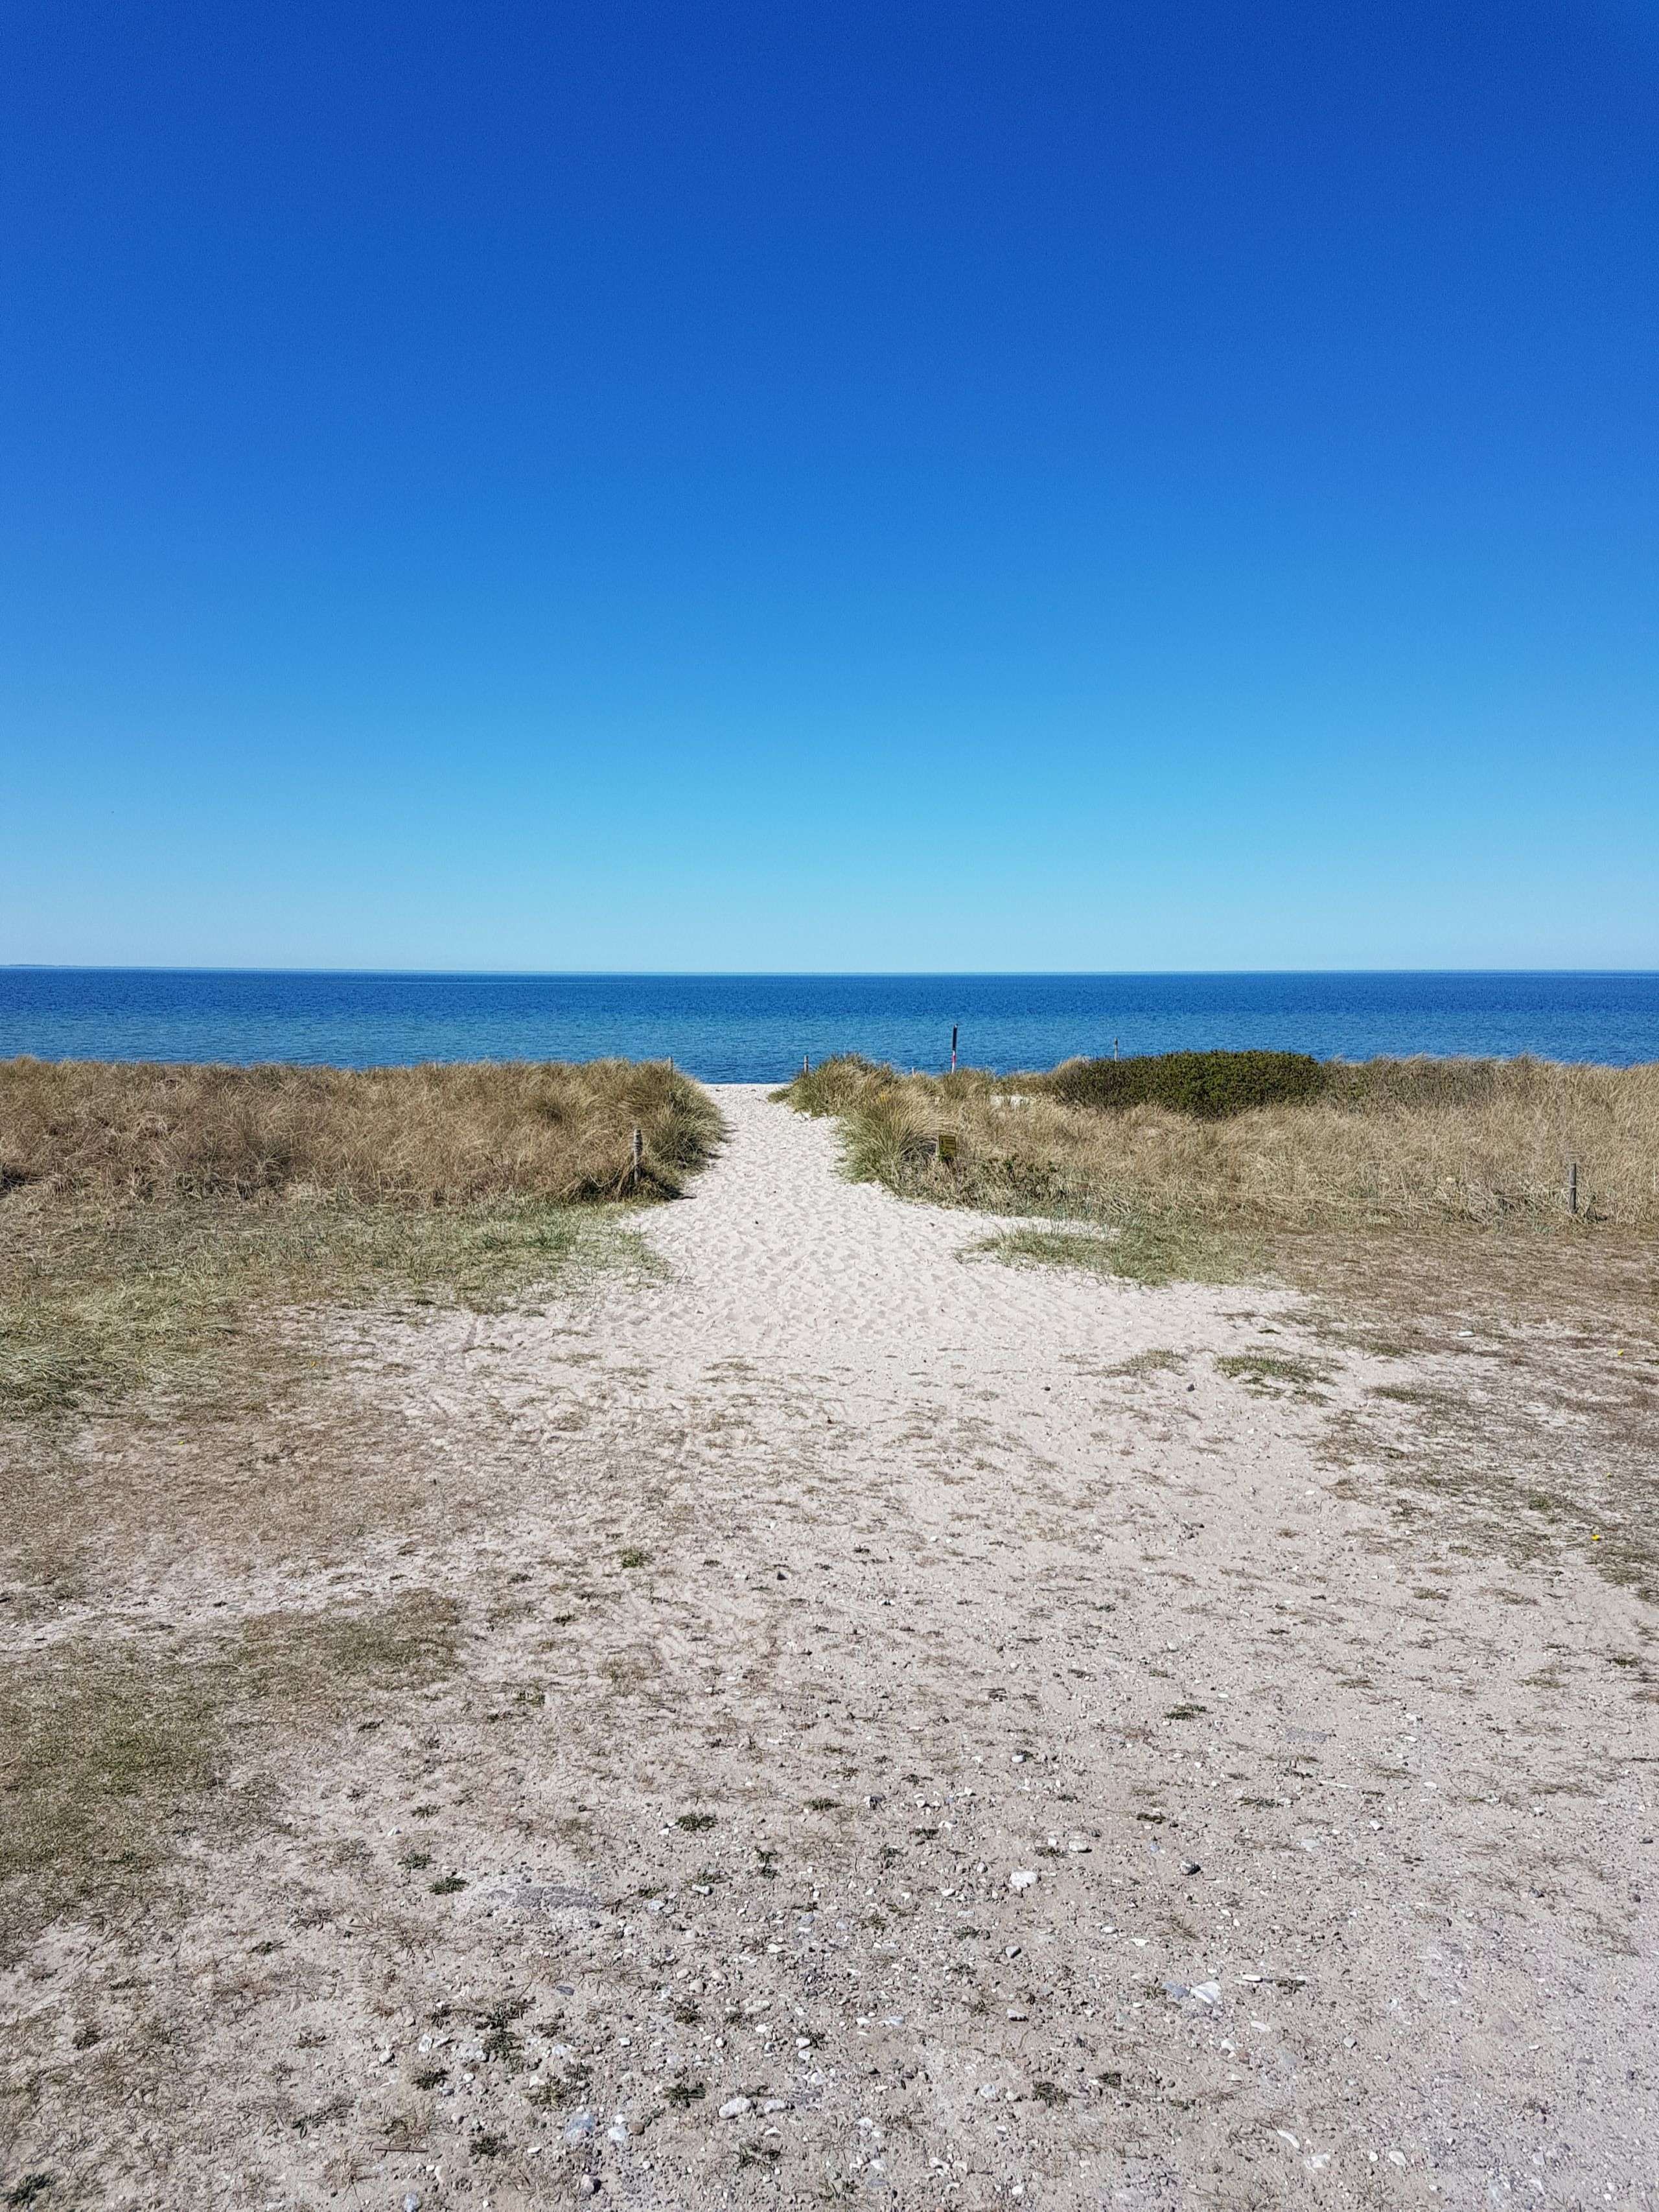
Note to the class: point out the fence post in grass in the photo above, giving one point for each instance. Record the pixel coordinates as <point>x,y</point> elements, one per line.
<point>1572,1188</point>
<point>953,1047</point>
<point>639,1155</point>
<point>807,1063</point>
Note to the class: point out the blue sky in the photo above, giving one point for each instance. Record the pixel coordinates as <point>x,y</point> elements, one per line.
<point>830,487</point>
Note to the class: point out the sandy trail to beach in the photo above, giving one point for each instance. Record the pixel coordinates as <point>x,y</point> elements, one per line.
<point>926,1731</point>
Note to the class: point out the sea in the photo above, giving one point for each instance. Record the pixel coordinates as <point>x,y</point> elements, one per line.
<point>758,1028</point>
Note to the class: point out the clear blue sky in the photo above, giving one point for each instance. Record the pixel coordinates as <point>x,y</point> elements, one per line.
<point>829,486</point>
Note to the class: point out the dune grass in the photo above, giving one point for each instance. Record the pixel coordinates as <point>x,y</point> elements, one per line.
<point>552,1131</point>
<point>1379,1144</point>
<point>149,1215</point>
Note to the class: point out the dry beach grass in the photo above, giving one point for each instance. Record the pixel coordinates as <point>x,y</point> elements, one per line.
<point>153,1214</point>
<point>430,1136</point>
<point>753,1702</point>
<point>1387,1144</point>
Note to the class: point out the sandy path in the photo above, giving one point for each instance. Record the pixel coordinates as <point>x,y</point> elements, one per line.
<point>815,1282</point>
<point>915,1744</point>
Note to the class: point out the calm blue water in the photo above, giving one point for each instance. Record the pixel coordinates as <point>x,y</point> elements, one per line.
<point>750,1028</point>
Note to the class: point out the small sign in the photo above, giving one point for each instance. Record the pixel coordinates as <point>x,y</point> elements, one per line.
<point>947,1146</point>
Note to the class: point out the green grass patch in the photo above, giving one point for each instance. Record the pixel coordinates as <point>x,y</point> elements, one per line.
<point>1143,1250</point>
<point>1155,1362</point>
<point>98,1304</point>
<point>1272,1374</point>
<point>111,1754</point>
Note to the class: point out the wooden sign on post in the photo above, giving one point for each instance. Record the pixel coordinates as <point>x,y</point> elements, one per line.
<point>947,1147</point>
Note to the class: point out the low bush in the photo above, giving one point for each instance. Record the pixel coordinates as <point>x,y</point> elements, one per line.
<point>1208,1085</point>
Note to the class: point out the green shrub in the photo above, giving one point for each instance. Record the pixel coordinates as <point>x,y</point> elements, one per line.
<point>1207,1084</point>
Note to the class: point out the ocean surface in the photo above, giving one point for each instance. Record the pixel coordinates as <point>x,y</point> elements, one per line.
<point>755,1029</point>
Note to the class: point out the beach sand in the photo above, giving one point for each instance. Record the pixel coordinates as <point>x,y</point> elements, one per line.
<point>924,1732</point>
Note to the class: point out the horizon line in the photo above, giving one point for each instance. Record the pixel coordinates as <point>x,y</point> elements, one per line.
<point>759,975</point>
